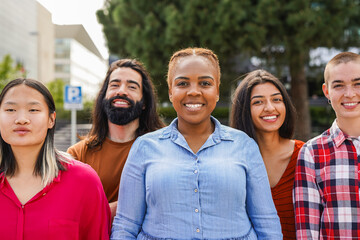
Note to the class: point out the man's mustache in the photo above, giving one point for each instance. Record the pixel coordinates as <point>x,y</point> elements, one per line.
<point>131,102</point>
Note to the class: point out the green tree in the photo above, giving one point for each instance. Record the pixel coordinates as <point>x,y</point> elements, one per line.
<point>152,30</point>
<point>295,27</point>
<point>56,89</point>
<point>9,70</point>
<point>281,32</point>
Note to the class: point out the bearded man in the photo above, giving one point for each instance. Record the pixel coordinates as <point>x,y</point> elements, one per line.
<point>125,109</point>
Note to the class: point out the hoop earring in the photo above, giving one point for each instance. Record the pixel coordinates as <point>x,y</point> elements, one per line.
<point>329,101</point>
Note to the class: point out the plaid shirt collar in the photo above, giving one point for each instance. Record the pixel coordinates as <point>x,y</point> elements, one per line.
<point>338,136</point>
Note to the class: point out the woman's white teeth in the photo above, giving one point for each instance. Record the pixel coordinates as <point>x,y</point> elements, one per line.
<point>193,105</point>
<point>269,117</point>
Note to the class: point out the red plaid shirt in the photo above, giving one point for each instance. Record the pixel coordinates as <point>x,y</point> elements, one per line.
<point>326,190</point>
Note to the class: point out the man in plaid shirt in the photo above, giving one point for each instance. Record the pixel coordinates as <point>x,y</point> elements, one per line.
<point>326,190</point>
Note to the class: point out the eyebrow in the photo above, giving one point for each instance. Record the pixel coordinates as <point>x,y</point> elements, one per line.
<point>341,81</point>
<point>261,96</point>
<point>128,81</point>
<point>14,103</point>
<point>336,81</point>
<point>201,77</point>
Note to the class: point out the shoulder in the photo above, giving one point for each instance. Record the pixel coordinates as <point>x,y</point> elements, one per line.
<point>319,141</point>
<point>155,135</point>
<point>235,135</point>
<point>77,148</point>
<point>298,145</point>
<point>79,145</point>
<point>82,184</point>
<point>80,173</point>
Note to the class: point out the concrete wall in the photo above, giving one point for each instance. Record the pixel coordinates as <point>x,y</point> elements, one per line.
<point>19,33</point>
<point>46,45</point>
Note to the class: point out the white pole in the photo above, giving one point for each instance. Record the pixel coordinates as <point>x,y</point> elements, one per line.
<point>73,126</point>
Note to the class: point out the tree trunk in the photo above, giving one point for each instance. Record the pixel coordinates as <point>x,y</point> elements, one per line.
<point>299,95</point>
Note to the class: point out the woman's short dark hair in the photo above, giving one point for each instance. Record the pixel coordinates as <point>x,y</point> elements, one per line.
<point>240,117</point>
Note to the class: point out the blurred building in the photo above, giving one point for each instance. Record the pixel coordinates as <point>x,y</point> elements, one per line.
<point>47,51</point>
<point>19,33</point>
<point>78,62</point>
<point>45,44</point>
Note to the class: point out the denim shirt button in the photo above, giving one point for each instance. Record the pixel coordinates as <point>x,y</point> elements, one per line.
<point>195,171</point>
<point>197,230</point>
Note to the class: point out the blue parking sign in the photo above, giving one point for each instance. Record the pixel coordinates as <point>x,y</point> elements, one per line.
<point>73,98</point>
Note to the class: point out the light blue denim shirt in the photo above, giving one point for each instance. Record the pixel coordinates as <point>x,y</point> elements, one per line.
<point>221,192</point>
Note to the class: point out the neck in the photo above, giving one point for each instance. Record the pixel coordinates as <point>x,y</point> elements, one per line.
<point>123,133</point>
<point>347,126</point>
<point>25,159</point>
<point>268,142</point>
<point>196,130</point>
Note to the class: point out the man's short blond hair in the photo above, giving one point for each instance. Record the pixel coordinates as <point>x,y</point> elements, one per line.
<point>343,57</point>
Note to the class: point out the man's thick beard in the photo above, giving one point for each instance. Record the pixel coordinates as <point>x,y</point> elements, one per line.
<point>122,116</point>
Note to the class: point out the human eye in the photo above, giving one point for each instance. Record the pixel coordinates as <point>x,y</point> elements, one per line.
<point>181,84</point>
<point>34,110</point>
<point>337,85</point>
<point>9,110</point>
<point>205,83</point>
<point>113,85</point>
<point>256,102</point>
<point>278,99</point>
<point>133,86</point>
<point>357,84</point>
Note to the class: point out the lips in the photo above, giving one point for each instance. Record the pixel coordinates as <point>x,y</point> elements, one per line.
<point>21,130</point>
<point>350,105</point>
<point>120,103</point>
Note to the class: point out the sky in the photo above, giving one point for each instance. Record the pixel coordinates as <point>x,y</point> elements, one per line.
<point>79,12</point>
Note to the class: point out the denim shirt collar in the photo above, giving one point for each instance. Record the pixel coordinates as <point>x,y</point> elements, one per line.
<point>220,134</point>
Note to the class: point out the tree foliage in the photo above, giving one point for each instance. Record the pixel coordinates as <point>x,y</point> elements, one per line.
<point>278,31</point>
<point>152,30</point>
<point>56,89</point>
<point>295,27</point>
<point>9,70</point>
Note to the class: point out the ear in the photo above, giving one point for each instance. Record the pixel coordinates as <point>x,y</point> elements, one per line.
<point>52,118</point>
<point>170,95</point>
<point>325,91</point>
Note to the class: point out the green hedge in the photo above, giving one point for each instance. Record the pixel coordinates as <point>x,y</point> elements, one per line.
<point>82,116</point>
<point>321,118</point>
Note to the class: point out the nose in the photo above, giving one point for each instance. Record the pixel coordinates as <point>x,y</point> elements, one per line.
<point>194,90</point>
<point>268,106</point>
<point>22,119</point>
<point>121,90</point>
<point>349,92</point>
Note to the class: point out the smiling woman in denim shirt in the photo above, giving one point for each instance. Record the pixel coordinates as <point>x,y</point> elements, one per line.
<point>195,179</point>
